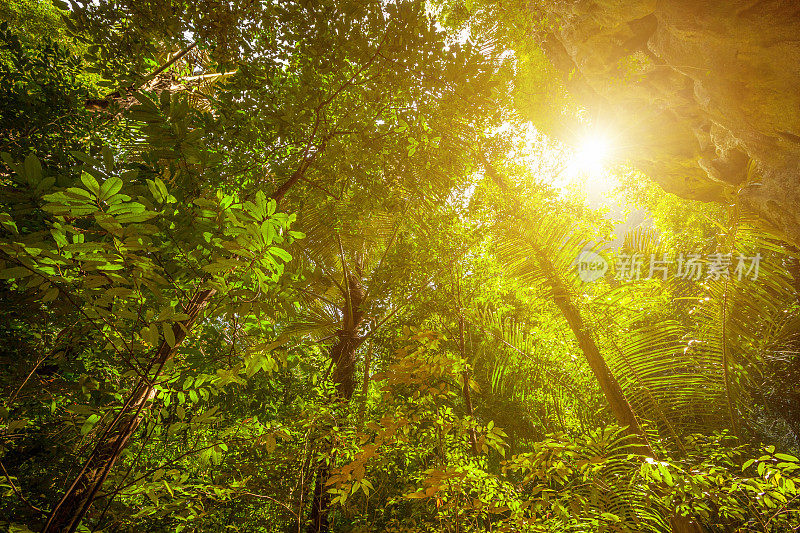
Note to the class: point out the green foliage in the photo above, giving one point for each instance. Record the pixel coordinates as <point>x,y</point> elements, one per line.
<point>290,266</point>
<point>41,80</point>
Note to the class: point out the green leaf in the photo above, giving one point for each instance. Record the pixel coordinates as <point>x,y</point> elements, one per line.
<point>108,158</point>
<point>46,184</point>
<point>33,170</point>
<point>89,424</point>
<point>161,188</point>
<point>150,334</point>
<point>90,182</point>
<point>128,218</point>
<point>267,231</point>
<point>15,273</point>
<point>278,252</point>
<point>109,188</point>
<point>89,160</point>
<point>50,295</point>
<point>7,222</point>
<point>110,266</point>
<point>73,193</point>
<point>169,335</point>
<point>154,190</point>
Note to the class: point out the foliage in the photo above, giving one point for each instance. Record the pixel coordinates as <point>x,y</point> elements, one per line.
<point>300,266</point>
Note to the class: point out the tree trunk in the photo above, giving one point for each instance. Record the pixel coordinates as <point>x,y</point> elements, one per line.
<point>343,357</point>
<point>623,413</point>
<point>473,438</point>
<point>620,407</point>
<point>68,513</point>
<point>318,522</point>
<point>362,407</point>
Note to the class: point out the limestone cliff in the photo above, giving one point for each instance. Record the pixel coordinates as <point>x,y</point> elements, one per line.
<point>705,94</point>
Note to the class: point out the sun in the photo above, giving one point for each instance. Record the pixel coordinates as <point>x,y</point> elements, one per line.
<point>593,153</point>
<point>589,166</point>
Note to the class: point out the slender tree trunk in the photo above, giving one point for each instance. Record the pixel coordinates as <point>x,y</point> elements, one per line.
<point>726,362</point>
<point>300,173</point>
<point>343,356</point>
<point>281,191</point>
<point>473,438</point>
<point>620,407</point>
<point>623,413</point>
<point>70,510</point>
<point>362,407</point>
<point>318,522</point>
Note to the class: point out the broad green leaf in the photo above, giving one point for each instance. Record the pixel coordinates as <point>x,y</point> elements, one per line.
<point>89,160</point>
<point>155,191</point>
<point>268,231</point>
<point>46,184</point>
<point>8,223</point>
<point>161,187</point>
<point>166,485</point>
<point>90,182</point>
<point>109,188</point>
<point>75,193</point>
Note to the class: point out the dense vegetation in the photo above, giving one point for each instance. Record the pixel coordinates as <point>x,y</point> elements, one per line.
<point>307,266</point>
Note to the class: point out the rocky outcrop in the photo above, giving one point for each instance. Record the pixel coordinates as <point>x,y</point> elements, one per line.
<point>705,95</point>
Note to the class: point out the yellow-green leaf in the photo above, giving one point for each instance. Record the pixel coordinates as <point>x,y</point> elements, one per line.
<point>169,335</point>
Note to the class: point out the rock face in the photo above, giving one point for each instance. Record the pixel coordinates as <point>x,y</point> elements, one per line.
<point>705,94</point>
